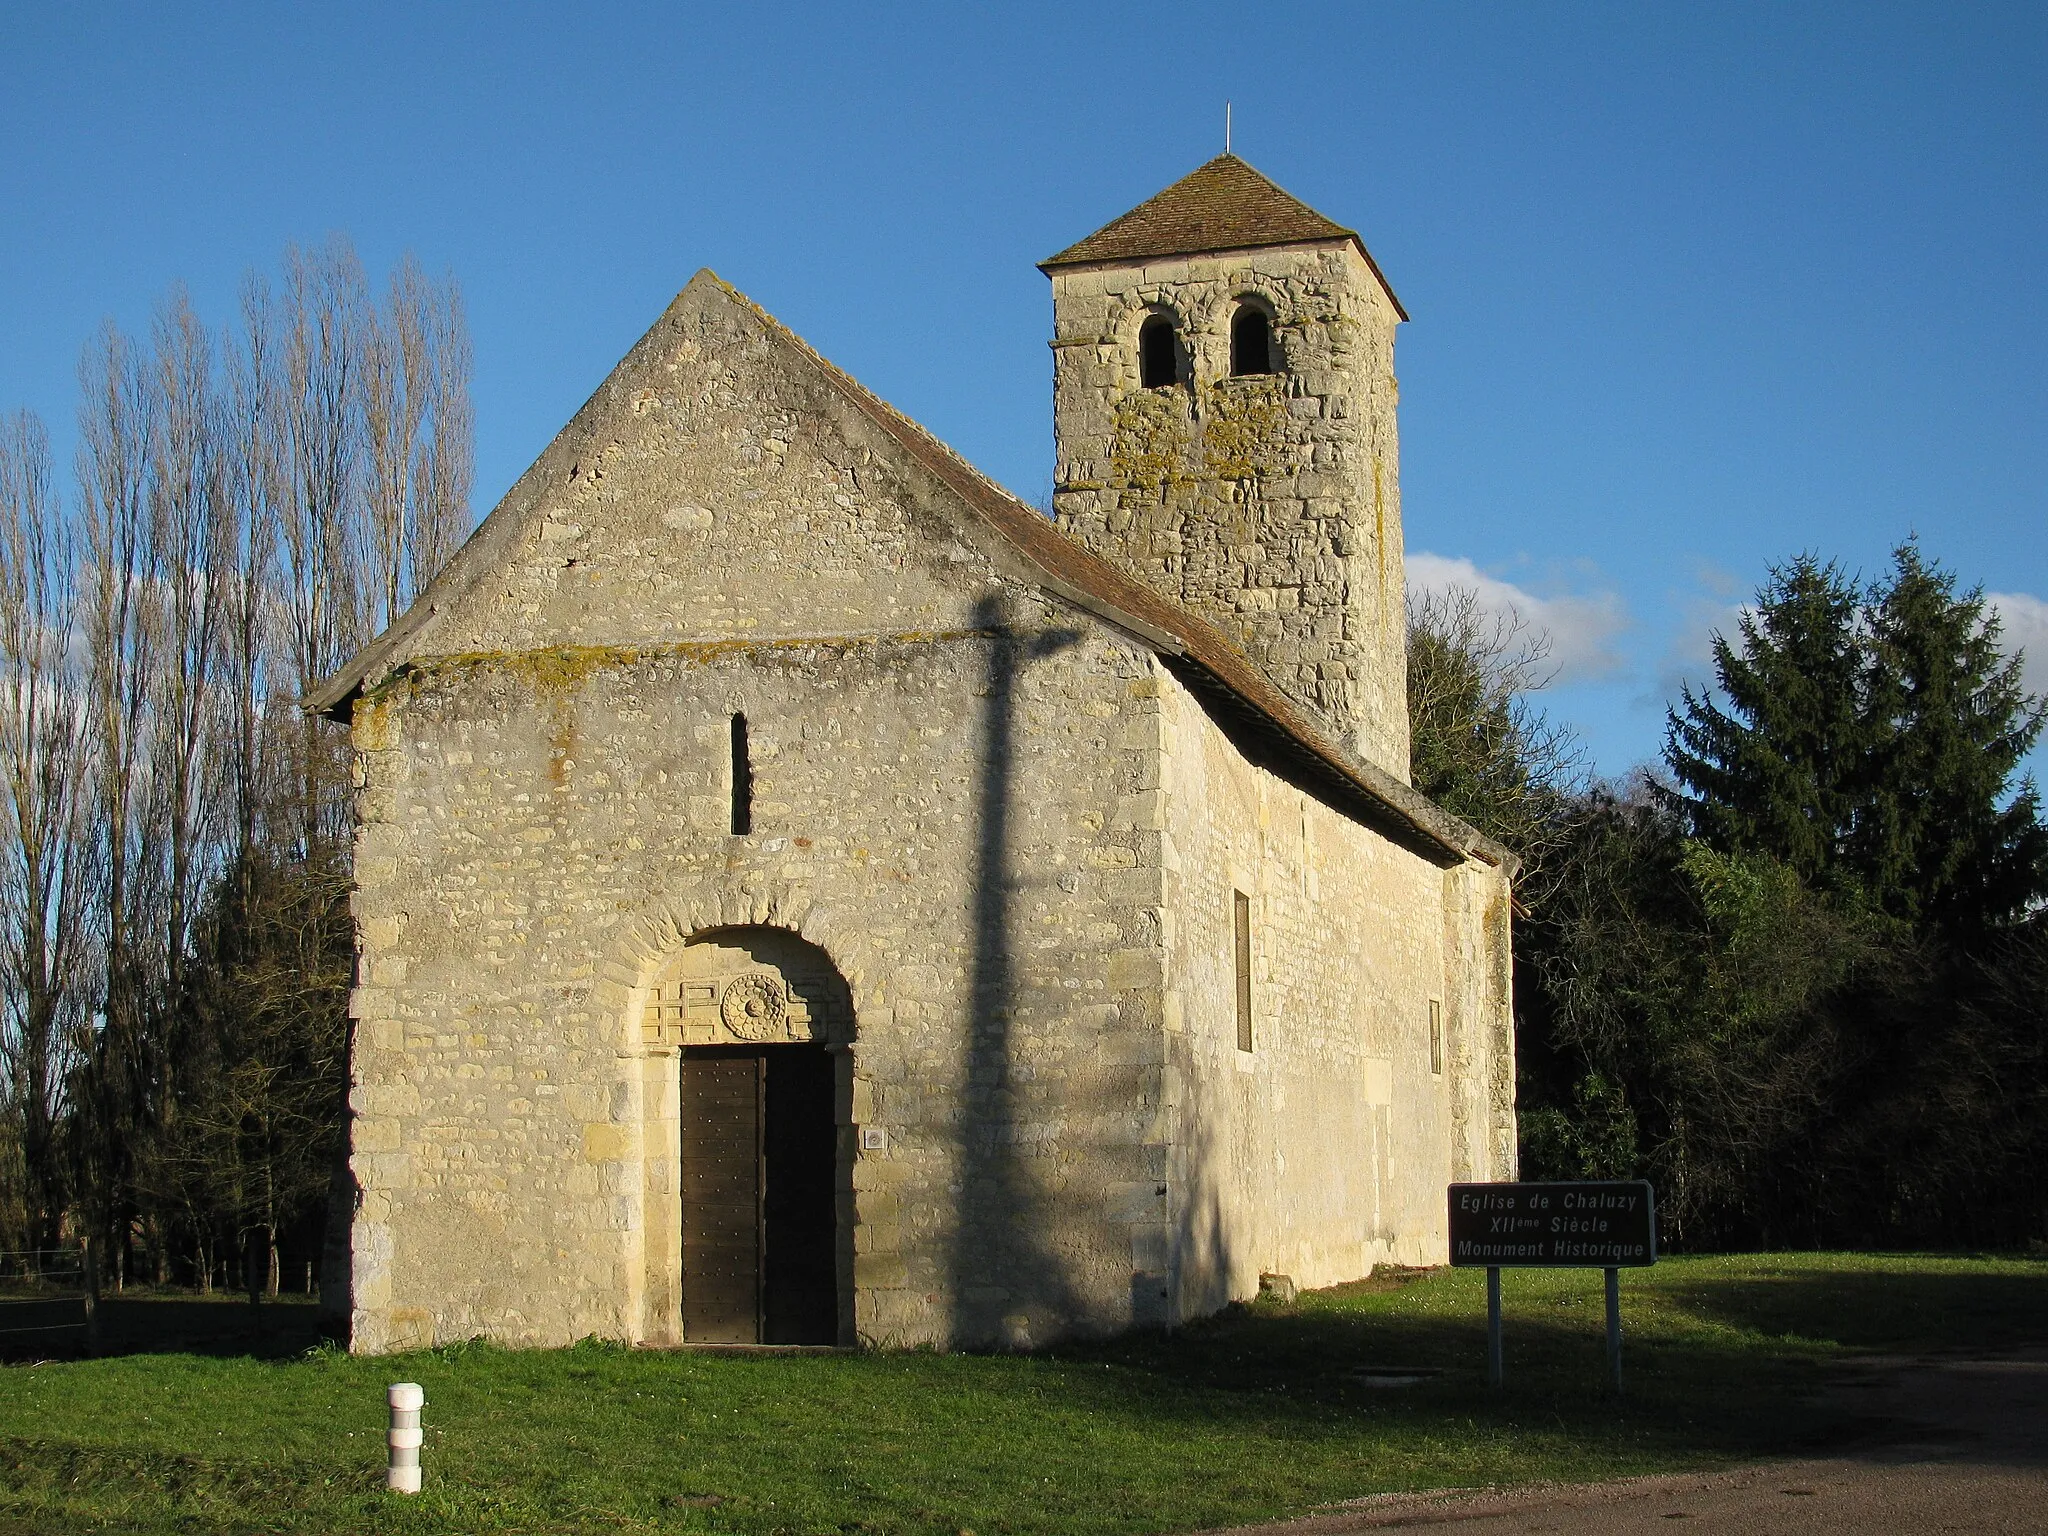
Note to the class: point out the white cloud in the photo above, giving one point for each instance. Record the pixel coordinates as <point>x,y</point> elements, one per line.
<point>1689,658</point>
<point>1582,627</point>
<point>2026,629</point>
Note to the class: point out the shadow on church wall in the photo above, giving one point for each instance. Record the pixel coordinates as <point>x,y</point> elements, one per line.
<point>1007,1280</point>
<point>1031,1253</point>
<point>1206,1254</point>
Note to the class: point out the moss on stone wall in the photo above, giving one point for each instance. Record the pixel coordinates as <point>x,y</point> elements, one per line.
<point>557,669</point>
<point>560,670</point>
<point>1246,437</point>
<point>1236,430</point>
<point>1149,453</point>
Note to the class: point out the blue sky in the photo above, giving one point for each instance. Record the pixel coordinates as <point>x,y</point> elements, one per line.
<point>1694,288</point>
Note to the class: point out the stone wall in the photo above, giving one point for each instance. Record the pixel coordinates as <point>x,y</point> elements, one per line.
<point>954,797</point>
<point>532,857</point>
<point>1268,503</point>
<point>1479,1029</point>
<point>1324,1150</point>
<point>1002,820</point>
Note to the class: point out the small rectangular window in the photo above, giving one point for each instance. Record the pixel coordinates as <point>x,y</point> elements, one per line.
<point>742,780</point>
<point>1242,911</point>
<point>1436,1037</point>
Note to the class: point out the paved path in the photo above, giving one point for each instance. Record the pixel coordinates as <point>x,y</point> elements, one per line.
<point>1957,1445</point>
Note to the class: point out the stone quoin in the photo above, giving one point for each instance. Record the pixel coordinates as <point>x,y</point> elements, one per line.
<point>806,895</point>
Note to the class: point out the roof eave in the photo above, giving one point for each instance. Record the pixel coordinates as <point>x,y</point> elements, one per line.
<point>1063,263</point>
<point>1181,637</point>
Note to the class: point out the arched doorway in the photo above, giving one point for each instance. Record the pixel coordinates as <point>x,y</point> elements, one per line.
<point>761,1021</point>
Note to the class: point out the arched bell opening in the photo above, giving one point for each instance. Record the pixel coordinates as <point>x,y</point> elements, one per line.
<point>761,1025</point>
<point>1251,340</point>
<point>1159,353</point>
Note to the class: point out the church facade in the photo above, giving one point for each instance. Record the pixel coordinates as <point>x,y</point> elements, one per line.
<point>806,895</point>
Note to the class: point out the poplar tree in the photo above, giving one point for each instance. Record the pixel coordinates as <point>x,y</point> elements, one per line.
<point>175,944</point>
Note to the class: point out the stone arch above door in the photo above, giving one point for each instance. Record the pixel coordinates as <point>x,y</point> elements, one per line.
<point>746,986</point>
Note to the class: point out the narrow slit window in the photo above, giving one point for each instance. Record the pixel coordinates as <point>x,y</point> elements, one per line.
<point>1241,906</point>
<point>1436,1037</point>
<point>1251,341</point>
<point>1157,364</point>
<point>742,780</point>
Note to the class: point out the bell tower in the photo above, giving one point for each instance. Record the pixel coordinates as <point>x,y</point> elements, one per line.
<point>1223,415</point>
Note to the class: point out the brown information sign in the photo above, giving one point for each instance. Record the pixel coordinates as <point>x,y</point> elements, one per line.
<point>1557,1226</point>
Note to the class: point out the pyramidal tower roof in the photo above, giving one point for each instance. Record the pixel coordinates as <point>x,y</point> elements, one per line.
<point>1224,205</point>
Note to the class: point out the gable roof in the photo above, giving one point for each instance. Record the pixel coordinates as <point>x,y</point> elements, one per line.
<point>1038,552</point>
<point>1224,205</point>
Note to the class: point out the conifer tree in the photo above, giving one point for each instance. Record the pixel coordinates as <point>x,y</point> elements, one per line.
<point>1776,771</point>
<point>1938,840</point>
<point>1870,741</point>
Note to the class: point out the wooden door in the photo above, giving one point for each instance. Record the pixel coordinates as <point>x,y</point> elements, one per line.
<point>799,1206</point>
<point>723,1104</point>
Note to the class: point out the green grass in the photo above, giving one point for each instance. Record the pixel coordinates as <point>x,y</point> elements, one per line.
<point>1254,1415</point>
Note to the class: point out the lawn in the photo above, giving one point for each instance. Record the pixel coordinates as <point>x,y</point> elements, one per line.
<point>1263,1413</point>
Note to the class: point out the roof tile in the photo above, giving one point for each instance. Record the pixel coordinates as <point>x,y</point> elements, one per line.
<point>1224,205</point>
<point>1066,568</point>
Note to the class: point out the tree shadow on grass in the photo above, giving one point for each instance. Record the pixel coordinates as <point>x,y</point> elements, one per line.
<point>1326,1363</point>
<point>1753,1363</point>
<point>224,1327</point>
<point>1902,1309</point>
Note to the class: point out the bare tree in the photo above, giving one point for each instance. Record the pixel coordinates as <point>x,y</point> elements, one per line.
<point>259,1138</point>
<point>325,312</point>
<point>192,564</point>
<point>1481,747</point>
<point>44,758</point>
<point>251,444</point>
<point>416,435</point>
<point>441,508</point>
<point>395,395</point>
<point>191,559</point>
<point>175,946</point>
<point>121,603</point>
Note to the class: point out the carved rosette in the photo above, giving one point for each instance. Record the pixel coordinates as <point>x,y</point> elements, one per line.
<point>755,1007</point>
<point>726,994</point>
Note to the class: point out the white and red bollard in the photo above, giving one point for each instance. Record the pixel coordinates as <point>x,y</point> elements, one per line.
<point>403,1473</point>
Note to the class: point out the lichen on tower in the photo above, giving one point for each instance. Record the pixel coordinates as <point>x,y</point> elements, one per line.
<point>1259,486</point>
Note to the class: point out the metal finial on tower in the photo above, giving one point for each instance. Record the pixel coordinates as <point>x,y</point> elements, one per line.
<point>1226,127</point>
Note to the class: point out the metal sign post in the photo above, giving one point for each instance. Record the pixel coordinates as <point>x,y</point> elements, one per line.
<point>1614,1326</point>
<point>1610,1226</point>
<point>1493,1325</point>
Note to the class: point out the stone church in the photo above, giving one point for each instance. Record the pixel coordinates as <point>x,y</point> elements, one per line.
<point>807,895</point>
